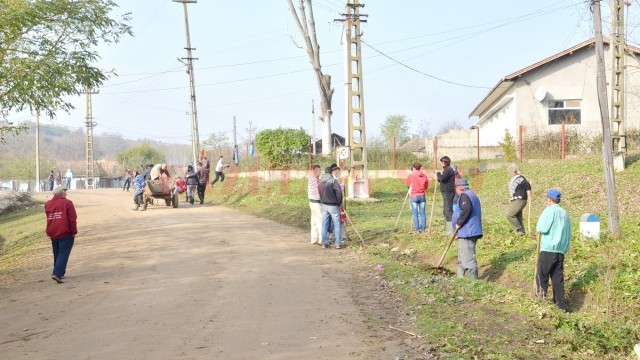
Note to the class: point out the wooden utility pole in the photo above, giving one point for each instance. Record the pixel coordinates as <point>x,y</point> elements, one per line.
<point>313,125</point>
<point>607,145</point>
<point>195,135</point>
<point>236,156</point>
<point>306,24</point>
<point>37,151</point>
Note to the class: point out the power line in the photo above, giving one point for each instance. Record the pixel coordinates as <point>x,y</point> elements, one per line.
<point>423,73</point>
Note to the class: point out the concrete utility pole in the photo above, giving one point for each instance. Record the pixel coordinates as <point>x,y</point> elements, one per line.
<point>37,151</point>
<point>90,163</point>
<point>358,182</point>
<point>250,130</point>
<point>195,135</point>
<point>607,144</point>
<point>618,51</point>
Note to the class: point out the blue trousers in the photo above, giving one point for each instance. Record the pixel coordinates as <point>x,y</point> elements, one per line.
<point>418,204</point>
<point>331,215</point>
<point>61,251</point>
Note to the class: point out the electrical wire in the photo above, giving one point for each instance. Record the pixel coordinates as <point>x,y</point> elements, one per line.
<point>421,72</point>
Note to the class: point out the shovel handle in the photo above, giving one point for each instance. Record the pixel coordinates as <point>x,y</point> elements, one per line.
<point>455,235</point>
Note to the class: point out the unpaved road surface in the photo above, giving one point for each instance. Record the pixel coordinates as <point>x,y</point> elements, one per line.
<point>197,282</point>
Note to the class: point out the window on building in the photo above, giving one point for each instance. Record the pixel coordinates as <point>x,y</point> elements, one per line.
<point>567,110</point>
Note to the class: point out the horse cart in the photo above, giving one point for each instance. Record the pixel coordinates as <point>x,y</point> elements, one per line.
<point>160,189</point>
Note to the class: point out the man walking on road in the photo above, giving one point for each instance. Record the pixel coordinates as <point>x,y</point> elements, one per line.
<point>68,176</point>
<point>51,180</point>
<point>446,178</point>
<point>554,229</point>
<point>519,194</point>
<point>203,180</point>
<point>315,205</point>
<point>139,183</point>
<point>127,180</point>
<point>219,174</point>
<point>61,229</point>
<point>468,223</point>
<point>331,199</point>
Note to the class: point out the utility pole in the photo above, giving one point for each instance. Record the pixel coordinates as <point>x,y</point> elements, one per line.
<point>195,135</point>
<point>250,130</point>
<point>618,51</point>
<point>236,159</point>
<point>607,143</point>
<point>89,141</point>
<point>313,124</point>
<point>358,182</point>
<point>37,151</point>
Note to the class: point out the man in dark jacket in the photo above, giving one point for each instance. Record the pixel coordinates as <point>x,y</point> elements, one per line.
<point>468,220</point>
<point>331,198</point>
<point>519,193</point>
<point>61,228</point>
<point>447,178</point>
<point>203,179</point>
<point>192,182</point>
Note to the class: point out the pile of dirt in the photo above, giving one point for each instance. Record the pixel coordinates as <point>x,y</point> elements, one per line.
<point>12,200</point>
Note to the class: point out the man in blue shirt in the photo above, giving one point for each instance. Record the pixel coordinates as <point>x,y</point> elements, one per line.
<point>554,229</point>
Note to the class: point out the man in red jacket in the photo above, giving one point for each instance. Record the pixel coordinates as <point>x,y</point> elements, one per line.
<point>61,228</point>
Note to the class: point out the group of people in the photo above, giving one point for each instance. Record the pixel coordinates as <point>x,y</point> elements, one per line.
<point>325,193</point>
<point>55,180</point>
<point>462,212</point>
<point>463,217</point>
<point>195,180</point>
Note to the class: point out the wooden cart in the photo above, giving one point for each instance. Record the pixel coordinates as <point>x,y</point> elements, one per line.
<point>160,189</point>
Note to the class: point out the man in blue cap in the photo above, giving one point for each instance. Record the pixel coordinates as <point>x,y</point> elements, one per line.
<point>468,224</point>
<point>554,229</point>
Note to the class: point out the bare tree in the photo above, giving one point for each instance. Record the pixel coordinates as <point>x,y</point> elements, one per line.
<point>307,27</point>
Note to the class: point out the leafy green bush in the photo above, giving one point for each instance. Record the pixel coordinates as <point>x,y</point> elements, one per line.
<point>508,145</point>
<point>281,147</point>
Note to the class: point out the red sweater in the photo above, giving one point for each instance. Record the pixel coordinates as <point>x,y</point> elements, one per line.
<point>61,218</point>
<point>419,183</point>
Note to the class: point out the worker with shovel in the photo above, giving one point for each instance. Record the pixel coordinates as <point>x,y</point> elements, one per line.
<point>447,179</point>
<point>468,224</point>
<point>519,194</point>
<point>554,234</point>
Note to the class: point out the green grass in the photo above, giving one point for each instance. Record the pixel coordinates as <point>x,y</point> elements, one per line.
<point>20,232</point>
<point>496,317</point>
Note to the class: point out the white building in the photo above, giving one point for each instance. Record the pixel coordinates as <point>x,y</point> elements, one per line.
<point>559,87</point>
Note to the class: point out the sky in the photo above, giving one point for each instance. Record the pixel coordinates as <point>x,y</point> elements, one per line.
<point>250,67</point>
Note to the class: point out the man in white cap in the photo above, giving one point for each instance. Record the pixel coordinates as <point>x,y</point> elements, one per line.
<point>554,229</point>
<point>61,228</point>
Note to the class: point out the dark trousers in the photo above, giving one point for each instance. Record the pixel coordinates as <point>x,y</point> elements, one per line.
<point>551,265</point>
<point>447,199</point>
<point>201,189</point>
<point>219,175</point>
<point>138,199</point>
<point>50,185</point>
<point>127,184</point>
<point>61,251</point>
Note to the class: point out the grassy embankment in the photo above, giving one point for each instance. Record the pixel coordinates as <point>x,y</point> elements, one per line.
<point>21,232</point>
<point>496,317</point>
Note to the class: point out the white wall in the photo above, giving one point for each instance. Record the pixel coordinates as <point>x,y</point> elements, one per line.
<point>571,77</point>
<point>492,129</point>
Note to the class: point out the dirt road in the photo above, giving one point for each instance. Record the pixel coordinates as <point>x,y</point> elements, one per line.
<point>197,282</point>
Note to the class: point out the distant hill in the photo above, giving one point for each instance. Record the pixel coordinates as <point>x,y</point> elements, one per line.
<point>61,148</point>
